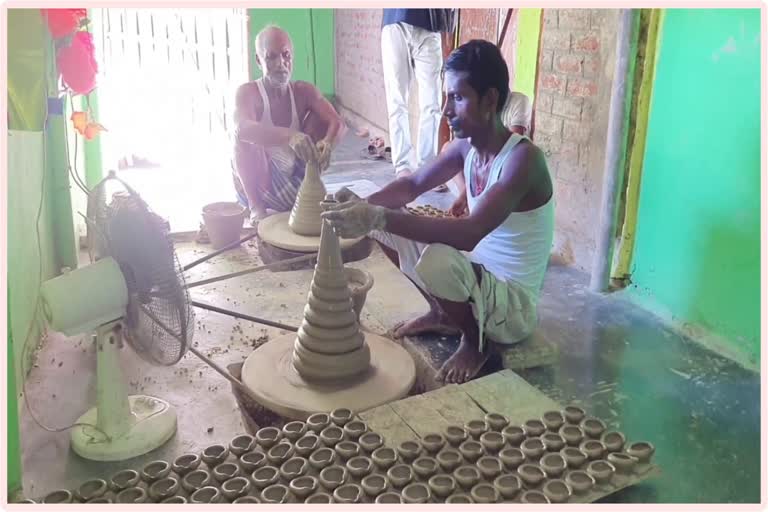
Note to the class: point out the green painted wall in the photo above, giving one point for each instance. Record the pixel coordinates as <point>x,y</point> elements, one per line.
<point>312,33</point>
<point>13,466</point>
<point>527,57</point>
<point>697,256</point>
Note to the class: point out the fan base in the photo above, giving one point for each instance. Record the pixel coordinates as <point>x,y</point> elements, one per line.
<point>152,423</point>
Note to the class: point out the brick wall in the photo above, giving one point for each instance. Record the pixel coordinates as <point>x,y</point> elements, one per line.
<point>575,68</point>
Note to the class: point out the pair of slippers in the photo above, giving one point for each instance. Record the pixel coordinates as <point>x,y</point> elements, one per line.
<point>377,150</point>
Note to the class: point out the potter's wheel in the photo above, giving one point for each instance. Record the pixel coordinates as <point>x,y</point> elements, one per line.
<point>270,374</point>
<point>275,230</point>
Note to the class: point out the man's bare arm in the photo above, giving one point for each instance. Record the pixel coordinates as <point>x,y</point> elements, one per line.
<point>404,190</point>
<point>323,109</point>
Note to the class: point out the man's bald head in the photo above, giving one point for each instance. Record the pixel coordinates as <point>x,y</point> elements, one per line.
<point>274,52</point>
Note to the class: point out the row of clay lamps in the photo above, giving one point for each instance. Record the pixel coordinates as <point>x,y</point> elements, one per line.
<point>335,458</point>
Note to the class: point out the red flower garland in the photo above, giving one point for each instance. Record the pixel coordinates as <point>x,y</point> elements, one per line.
<point>77,63</point>
<point>62,22</point>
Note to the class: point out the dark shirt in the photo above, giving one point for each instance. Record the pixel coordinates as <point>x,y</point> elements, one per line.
<point>434,20</point>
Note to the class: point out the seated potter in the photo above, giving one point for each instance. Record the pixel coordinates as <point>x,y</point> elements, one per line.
<point>481,273</point>
<point>280,125</point>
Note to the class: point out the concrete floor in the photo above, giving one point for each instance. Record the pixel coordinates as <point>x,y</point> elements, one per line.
<point>620,362</point>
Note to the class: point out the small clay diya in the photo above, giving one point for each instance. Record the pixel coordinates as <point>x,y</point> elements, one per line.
<point>476,428</point>
<point>124,479</point>
<point>623,462</point>
<point>534,428</point>
<point>293,430</point>
<point>513,435</point>
<point>183,464</point>
<point>508,485</point>
<point>225,471</point>
<point>347,449</point>
<point>373,485</point>
<point>359,466</point>
<point>574,414</point>
<point>511,457</point>
<point>400,475</point>
<point>492,441</point>
<point>449,459</point>
<point>322,458</point>
<point>241,444</point>
<point>384,457</point>
<point>163,489</point>
<point>318,421</point>
<point>534,497</point>
<point>280,453</point>
<point>557,491</point>
<point>459,498</point>
<point>471,450</point>
<point>62,496</point>
<point>432,442</point>
<point>348,493</point>
<point>580,481</point>
<point>416,493</point>
<point>425,467</point>
<point>442,486</point>
<point>101,499</point>
<point>553,420</point>
<point>214,455</point>
<point>533,448</point>
<point>265,476</point>
<point>267,437</point>
<point>370,441</point>
<point>553,464</point>
<point>242,499</point>
<point>306,444</point>
<point>155,470</point>
<point>341,416</point>
<point>642,451</point>
<point>303,486</point>
<point>235,488</point>
<point>531,474</point>
<point>389,497</point>
<point>196,479</point>
<point>354,429</point>
<point>490,467</point>
<point>408,451</point>
<point>91,489</point>
<point>467,476</point>
<point>206,495</point>
<point>592,427</point>
<point>320,498</point>
<point>613,440</point>
<point>333,476</point>
<point>593,448</point>
<point>573,456</point>
<point>601,470</point>
<point>276,493</point>
<point>293,468</point>
<point>496,421</point>
<point>572,434</point>
<point>129,495</point>
<point>178,500</point>
<point>455,434</point>
<point>484,493</point>
<point>553,441</point>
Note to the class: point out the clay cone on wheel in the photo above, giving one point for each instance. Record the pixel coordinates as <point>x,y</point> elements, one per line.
<point>305,215</point>
<point>329,344</point>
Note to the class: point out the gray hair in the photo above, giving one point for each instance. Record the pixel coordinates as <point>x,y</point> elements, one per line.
<point>260,39</point>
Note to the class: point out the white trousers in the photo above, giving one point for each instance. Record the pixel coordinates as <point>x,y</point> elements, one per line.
<point>505,311</point>
<point>407,51</point>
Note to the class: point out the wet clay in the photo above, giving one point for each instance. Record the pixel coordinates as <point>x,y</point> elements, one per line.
<point>305,215</point>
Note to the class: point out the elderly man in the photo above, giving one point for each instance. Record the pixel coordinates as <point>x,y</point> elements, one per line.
<point>481,273</point>
<point>280,125</point>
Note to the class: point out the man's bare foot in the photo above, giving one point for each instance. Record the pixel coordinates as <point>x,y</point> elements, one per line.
<point>434,321</point>
<point>463,365</point>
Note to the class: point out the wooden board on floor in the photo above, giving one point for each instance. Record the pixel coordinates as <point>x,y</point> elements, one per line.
<point>536,350</point>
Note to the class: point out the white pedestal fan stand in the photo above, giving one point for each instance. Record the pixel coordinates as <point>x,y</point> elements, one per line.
<point>127,426</point>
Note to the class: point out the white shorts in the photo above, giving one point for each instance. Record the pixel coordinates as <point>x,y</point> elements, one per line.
<point>507,309</point>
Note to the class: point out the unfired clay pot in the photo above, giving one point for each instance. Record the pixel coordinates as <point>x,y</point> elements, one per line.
<point>389,497</point>
<point>455,434</point>
<point>432,442</point>
<point>322,458</point>
<point>534,428</point>
<point>276,493</point>
<point>425,467</point>
<point>490,467</point>
<point>373,485</point>
<point>235,488</point>
<point>225,471</point>
<point>613,440</point>
<point>163,489</point>
<point>196,479</point>
<point>331,435</point>
<point>553,420</point>
<point>251,461</point>
<point>155,470</point>
<point>533,448</point>
<point>214,455</point>
<point>572,434</point>
<point>623,462</point>
<point>384,457</point>
<point>553,441</point>
<point>370,441</point>
<point>508,485</point>
<point>347,449</point>
<point>476,428</point>
<point>177,500</point>
<point>359,466</point>
<point>534,496</point>
<point>101,499</point>
<point>513,435</point>
<point>459,498</point>
<point>580,481</point>
<point>92,489</point>
<point>557,491</point>
<point>592,427</point>
<point>442,486</point>
<point>573,456</point>
<point>484,493</point>
<point>304,486</point>
<point>293,430</point>
<point>333,476</point>
<point>471,450</point>
<point>354,429</point>
<point>408,451</point>
<point>531,474</point>
<point>574,414</point>
<point>267,437</point>
<point>124,479</point>
<point>280,453</point>
<point>400,475</point>
<point>60,496</point>
<point>416,493</point>
<point>492,442</point>
<point>449,459</point>
<point>183,464</point>
<point>348,493</point>
<point>341,416</point>
<point>308,443</point>
<point>496,421</point>
<point>247,499</point>
<point>642,450</point>
<point>601,470</point>
<point>511,457</point>
<point>293,468</point>
<point>593,448</point>
<point>241,444</point>
<point>318,421</point>
<point>553,464</point>
<point>264,477</point>
<point>130,495</point>
<point>467,476</point>
<point>320,498</point>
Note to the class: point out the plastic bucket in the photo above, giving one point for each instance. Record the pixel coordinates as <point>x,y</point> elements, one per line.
<point>224,222</point>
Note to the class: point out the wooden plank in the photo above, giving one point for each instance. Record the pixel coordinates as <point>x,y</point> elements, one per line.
<point>388,424</point>
<point>418,412</point>
<point>507,393</point>
<point>454,404</point>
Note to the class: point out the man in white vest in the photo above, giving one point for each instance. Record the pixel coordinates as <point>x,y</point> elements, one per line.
<point>481,273</point>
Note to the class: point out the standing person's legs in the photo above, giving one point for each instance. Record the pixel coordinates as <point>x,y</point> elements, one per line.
<point>396,60</point>
<point>428,63</point>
